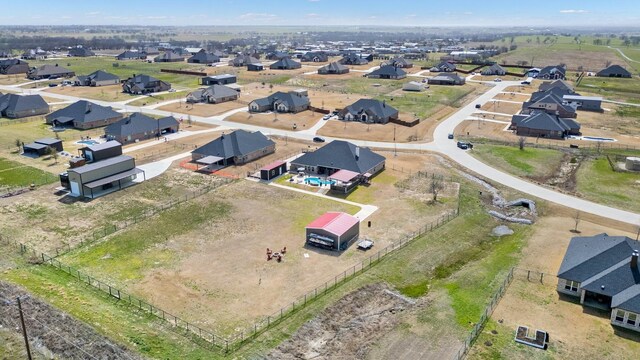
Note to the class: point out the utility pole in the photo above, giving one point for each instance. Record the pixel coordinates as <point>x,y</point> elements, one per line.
<point>395,146</point>
<point>24,330</point>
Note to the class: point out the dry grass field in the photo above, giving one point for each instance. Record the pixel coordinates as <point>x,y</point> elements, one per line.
<point>204,110</point>
<point>296,122</point>
<point>512,97</point>
<point>105,93</point>
<point>503,107</point>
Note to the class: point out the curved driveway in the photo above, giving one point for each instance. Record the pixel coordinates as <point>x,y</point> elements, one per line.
<point>440,144</point>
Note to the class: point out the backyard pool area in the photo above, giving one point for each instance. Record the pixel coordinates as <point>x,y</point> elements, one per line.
<point>316,181</point>
<point>88,142</point>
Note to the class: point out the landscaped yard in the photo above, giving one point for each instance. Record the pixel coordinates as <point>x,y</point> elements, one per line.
<point>14,174</point>
<point>596,181</point>
<point>530,162</point>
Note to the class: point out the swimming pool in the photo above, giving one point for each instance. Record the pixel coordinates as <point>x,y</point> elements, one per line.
<point>593,138</point>
<point>88,142</point>
<point>314,181</point>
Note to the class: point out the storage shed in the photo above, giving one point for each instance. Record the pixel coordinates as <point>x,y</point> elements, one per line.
<point>273,170</point>
<point>39,147</point>
<point>333,231</point>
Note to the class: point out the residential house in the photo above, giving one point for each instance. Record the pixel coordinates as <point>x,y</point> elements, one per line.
<point>586,103</point>
<point>193,50</point>
<point>333,231</point>
<point>13,66</point>
<point>333,68</point>
<point>340,155</point>
<point>34,54</point>
<point>15,106</point>
<point>168,56</point>
<point>144,84</point>
<point>353,59</point>
<point>49,72</point>
<point>277,55</point>
<point>283,102</point>
<point>399,62</point>
<point>101,151</point>
<point>545,125</point>
<point>236,148</point>
<point>132,55</point>
<point>444,66</point>
<point>315,56</point>
<point>138,126</point>
<point>562,85</point>
<point>214,94</point>
<point>223,79</point>
<point>387,72</point>
<point>494,69</point>
<point>285,64</point>
<point>614,71</point>
<point>602,272</point>
<point>552,72</point>
<point>83,115</point>
<point>98,78</point>
<point>549,102</point>
<point>447,79</point>
<point>369,111</point>
<point>413,86</point>
<point>203,57</point>
<point>255,67</point>
<point>81,52</point>
<point>243,60</point>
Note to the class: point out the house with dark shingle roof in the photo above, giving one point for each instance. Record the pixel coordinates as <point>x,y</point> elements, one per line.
<point>333,68</point>
<point>446,79</point>
<point>49,72</point>
<point>601,271</point>
<point>494,69</point>
<point>400,62</point>
<point>614,71</point>
<point>369,111</point>
<point>340,155</point>
<point>564,86</point>
<point>137,127</point>
<point>552,72</point>
<point>277,55</point>
<point>236,148</point>
<point>213,94</point>
<point>550,101</point>
<point>387,72</point>
<point>285,64</point>
<point>315,56</point>
<point>83,115</point>
<point>203,57</point>
<point>244,60</point>
<point>168,56</point>
<point>283,102</point>
<point>13,66</point>
<point>97,78</point>
<point>15,106</point>
<point>132,55</point>
<point>81,52</point>
<point>545,125</point>
<point>144,84</point>
<point>444,67</point>
<point>353,59</point>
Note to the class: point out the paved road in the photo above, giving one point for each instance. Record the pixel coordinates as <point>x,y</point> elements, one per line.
<point>440,144</point>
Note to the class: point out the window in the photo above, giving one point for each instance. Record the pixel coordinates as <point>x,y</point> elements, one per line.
<point>620,315</point>
<point>631,319</point>
<point>571,285</point>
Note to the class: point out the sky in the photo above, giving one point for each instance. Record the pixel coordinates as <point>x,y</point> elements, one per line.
<point>494,13</point>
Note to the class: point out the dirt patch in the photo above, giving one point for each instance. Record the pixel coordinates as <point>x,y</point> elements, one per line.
<point>503,107</point>
<point>297,122</point>
<point>54,334</point>
<point>104,93</point>
<point>383,132</point>
<point>348,328</point>
<point>204,110</point>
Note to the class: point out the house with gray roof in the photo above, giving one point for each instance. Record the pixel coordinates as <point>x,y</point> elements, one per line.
<point>144,84</point>
<point>13,66</point>
<point>49,72</point>
<point>277,55</point>
<point>340,155</point>
<point>97,78</point>
<point>236,148</point>
<point>81,52</point>
<point>132,55</point>
<point>444,66</point>
<point>446,79</point>
<point>203,57</point>
<point>369,111</point>
<point>602,272</point>
<point>168,56</point>
<point>213,94</point>
<point>14,106</point>
<point>315,56</point>
<point>387,72</point>
<point>545,125</point>
<point>243,60</point>
<point>83,115</point>
<point>283,102</point>
<point>399,62</point>
<point>353,59</point>
<point>614,71</point>
<point>553,72</point>
<point>549,102</point>
<point>493,70</point>
<point>333,69</point>
<point>138,126</point>
<point>285,64</point>
<point>222,79</point>
<point>561,85</point>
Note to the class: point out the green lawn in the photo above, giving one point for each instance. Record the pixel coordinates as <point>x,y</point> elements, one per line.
<point>530,162</point>
<point>423,104</point>
<point>606,85</point>
<point>14,174</point>
<point>597,182</point>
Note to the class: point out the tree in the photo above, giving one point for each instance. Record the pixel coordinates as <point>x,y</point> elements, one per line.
<point>435,186</point>
<point>607,63</point>
<point>521,142</point>
<point>576,219</point>
<point>53,153</point>
<point>19,144</point>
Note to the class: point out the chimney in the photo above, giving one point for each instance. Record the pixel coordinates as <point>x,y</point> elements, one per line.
<point>634,259</point>
<point>358,157</point>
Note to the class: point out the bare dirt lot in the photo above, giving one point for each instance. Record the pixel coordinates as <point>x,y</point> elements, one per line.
<point>297,122</point>
<point>512,96</point>
<point>104,93</point>
<point>504,107</point>
<point>204,110</point>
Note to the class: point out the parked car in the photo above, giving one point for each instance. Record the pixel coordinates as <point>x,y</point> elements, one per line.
<point>53,85</point>
<point>478,106</point>
<point>450,136</point>
<point>525,83</point>
<point>465,145</point>
<point>172,90</point>
<point>326,117</point>
<point>318,139</point>
<point>497,80</point>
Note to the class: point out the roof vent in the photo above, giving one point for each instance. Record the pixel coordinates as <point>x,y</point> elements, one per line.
<point>602,287</point>
<point>634,259</point>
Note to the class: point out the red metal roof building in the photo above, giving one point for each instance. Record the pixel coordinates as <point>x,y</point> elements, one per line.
<point>333,230</point>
